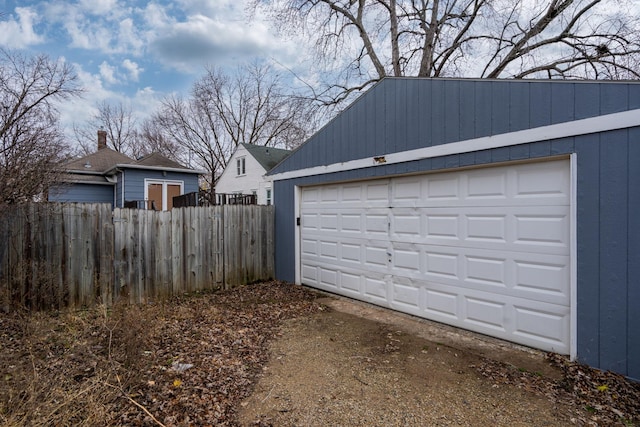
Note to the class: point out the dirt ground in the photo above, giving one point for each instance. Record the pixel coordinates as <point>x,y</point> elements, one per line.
<point>356,364</point>
<point>340,368</point>
<point>276,354</point>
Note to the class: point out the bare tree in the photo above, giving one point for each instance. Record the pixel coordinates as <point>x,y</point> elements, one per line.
<point>31,142</point>
<point>225,110</point>
<point>597,39</point>
<point>151,139</point>
<point>117,120</point>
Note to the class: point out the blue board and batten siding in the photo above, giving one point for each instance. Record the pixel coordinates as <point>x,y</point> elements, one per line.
<point>134,180</point>
<point>82,193</point>
<point>405,114</point>
<point>131,181</point>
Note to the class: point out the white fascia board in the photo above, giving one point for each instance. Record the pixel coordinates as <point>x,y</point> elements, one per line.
<point>602,123</point>
<point>74,181</point>
<point>153,168</point>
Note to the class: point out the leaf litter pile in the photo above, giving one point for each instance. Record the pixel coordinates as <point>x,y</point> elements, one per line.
<point>195,359</point>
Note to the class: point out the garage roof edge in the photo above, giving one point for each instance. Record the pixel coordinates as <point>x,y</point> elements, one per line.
<point>586,126</point>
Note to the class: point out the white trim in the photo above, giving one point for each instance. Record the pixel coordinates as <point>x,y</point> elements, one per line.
<point>241,166</point>
<point>297,193</point>
<point>164,183</point>
<point>122,190</point>
<point>573,257</point>
<point>153,168</point>
<point>603,123</point>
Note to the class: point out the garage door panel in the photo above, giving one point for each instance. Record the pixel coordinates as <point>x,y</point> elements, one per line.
<point>542,229</point>
<point>443,225</point>
<point>376,224</point>
<point>543,276</point>
<point>375,257</point>
<point>407,259</point>
<point>309,247</point>
<point>375,290</point>
<point>486,228</point>
<point>407,225</point>
<point>441,303</point>
<point>487,314</point>
<point>351,222</point>
<point>486,271</point>
<point>534,276</point>
<point>542,181</point>
<point>527,229</point>
<point>486,185</point>
<point>351,283</point>
<point>547,326</point>
<point>309,273</point>
<point>329,277</point>
<point>406,295</point>
<point>442,265</point>
<point>440,188</point>
<point>485,249</point>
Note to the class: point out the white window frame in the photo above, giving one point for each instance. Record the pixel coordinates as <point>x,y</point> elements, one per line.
<point>241,166</point>
<point>268,197</point>
<point>165,183</point>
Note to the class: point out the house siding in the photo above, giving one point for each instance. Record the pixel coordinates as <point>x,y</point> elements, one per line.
<point>230,182</point>
<point>412,113</point>
<point>82,193</point>
<point>134,182</point>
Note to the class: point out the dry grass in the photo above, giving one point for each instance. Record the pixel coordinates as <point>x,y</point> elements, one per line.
<point>194,360</point>
<point>121,366</point>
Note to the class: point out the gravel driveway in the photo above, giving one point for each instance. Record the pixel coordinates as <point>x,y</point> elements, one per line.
<point>356,364</point>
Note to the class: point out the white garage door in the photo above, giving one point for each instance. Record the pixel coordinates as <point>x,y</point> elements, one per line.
<point>483,249</point>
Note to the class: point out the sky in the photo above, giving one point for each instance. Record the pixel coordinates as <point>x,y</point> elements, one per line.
<point>136,51</point>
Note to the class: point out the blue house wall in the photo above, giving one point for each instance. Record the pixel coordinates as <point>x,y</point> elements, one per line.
<point>82,193</point>
<point>134,179</point>
<point>405,114</point>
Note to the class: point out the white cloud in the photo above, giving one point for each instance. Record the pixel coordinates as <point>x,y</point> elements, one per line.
<point>129,37</point>
<point>99,7</point>
<point>80,110</point>
<point>18,34</point>
<point>133,69</point>
<point>145,102</point>
<point>108,73</point>
<point>103,26</point>
<point>200,39</point>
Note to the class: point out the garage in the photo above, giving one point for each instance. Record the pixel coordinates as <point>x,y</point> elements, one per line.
<point>484,249</point>
<point>505,207</point>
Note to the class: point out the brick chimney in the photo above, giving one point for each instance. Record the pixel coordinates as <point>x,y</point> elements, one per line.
<point>102,139</point>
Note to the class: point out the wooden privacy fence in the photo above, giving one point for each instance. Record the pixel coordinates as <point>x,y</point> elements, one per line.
<point>57,255</point>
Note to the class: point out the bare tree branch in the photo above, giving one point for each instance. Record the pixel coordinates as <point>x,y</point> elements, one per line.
<point>361,42</point>
<point>31,142</point>
<point>225,110</point>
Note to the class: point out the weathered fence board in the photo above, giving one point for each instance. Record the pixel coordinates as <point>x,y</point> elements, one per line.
<point>57,255</point>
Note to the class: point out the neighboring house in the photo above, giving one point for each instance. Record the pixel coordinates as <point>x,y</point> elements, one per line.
<point>108,176</point>
<point>506,207</point>
<point>245,172</point>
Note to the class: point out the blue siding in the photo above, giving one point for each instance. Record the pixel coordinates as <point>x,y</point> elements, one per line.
<point>82,193</point>
<point>588,240</point>
<point>562,102</point>
<point>613,252</point>
<point>540,98</point>
<point>134,182</point>
<point>633,248</point>
<point>608,176</point>
<point>520,105</point>
<point>383,120</point>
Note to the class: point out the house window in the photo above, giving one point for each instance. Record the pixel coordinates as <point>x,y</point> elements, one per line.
<point>240,163</point>
<point>159,194</point>
<point>268,196</point>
